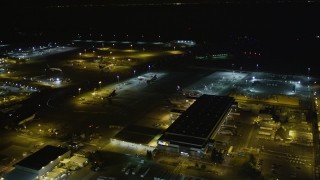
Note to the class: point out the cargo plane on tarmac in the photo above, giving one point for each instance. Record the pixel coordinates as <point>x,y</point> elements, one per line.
<point>148,81</point>
<point>111,95</point>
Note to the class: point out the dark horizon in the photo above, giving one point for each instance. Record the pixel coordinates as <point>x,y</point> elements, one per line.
<point>276,29</point>
<point>49,3</point>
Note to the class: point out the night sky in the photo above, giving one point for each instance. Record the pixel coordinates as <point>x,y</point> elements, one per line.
<point>286,31</point>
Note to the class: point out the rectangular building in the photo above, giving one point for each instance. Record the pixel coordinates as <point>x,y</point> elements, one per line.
<point>189,134</point>
<point>38,163</point>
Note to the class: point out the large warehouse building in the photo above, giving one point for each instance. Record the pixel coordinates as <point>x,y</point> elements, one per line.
<point>38,164</point>
<point>190,133</point>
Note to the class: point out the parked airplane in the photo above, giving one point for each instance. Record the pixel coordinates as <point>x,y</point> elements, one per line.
<point>29,118</point>
<point>112,94</point>
<point>54,69</point>
<point>148,81</point>
<point>154,78</point>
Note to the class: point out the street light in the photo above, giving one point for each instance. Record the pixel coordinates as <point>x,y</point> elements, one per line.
<point>308,73</point>
<point>149,67</point>
<point>131,46</point>
<point>232,69</point>
<point>134,72</point>
<point>257,66</point>
<point>100,84</point>
<point>79,90</point>
<point>118,77</point>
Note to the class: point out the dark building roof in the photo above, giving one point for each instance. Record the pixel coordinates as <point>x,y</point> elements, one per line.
<point>177,111</point>
<point>199,121</point>
<point>42,157</point>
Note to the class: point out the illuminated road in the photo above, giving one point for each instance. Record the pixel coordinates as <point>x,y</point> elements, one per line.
<point>249,136</point>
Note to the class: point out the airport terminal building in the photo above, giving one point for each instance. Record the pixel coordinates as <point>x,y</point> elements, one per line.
<point>190,133</point>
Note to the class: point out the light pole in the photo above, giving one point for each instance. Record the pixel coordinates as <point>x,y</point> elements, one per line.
<point>134,72</point>
<point>232,69</point>
<point>131,46</point>
<point>118,77</point>
<point>257,67</point>
<point>149,67</point>
<point>100,84</point>
<point>308,73</point>
<point>79,90</point>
